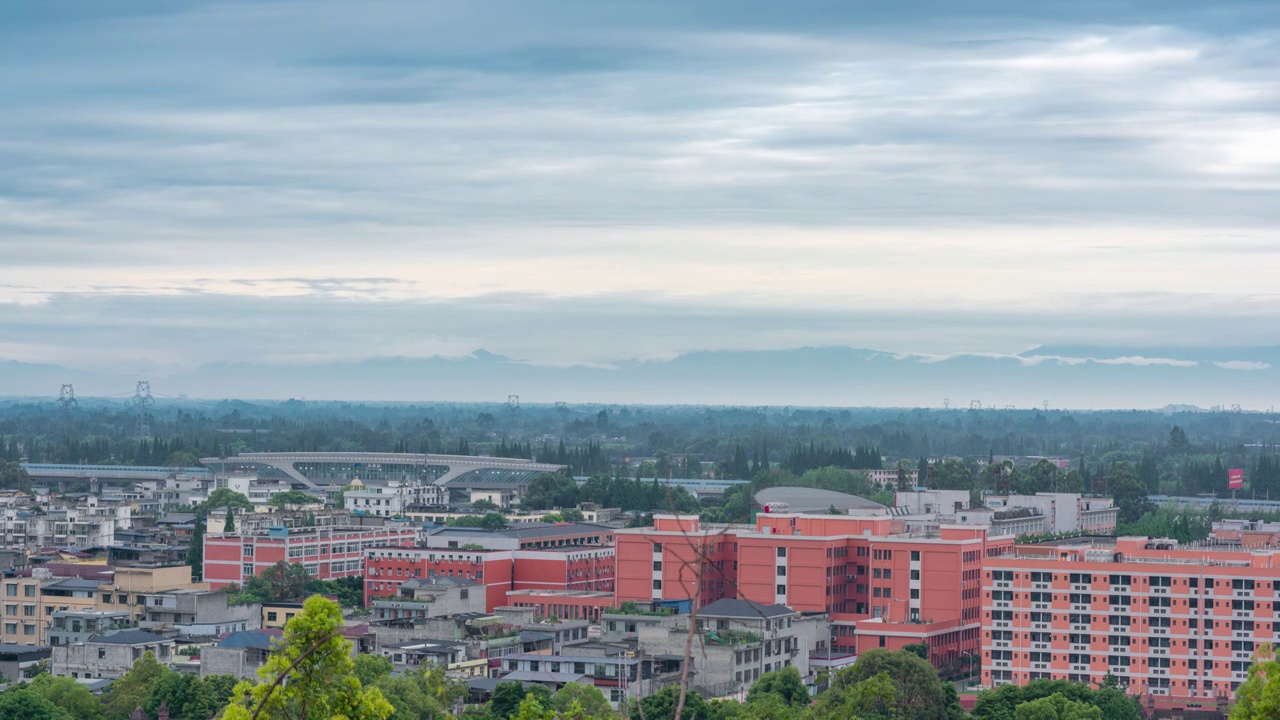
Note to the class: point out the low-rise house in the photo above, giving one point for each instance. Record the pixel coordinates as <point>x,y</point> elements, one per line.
<point>616,676</point>
<point>18,662</point>
<point>239,654</point>
<point>109,656</point>
<point>410,655</point>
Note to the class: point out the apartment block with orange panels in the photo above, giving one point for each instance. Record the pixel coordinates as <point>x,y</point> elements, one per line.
<point>882,587</point>
<point>1159,618</point>
<point>582,568</point>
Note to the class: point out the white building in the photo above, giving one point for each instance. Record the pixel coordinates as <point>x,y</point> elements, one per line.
<point>393,498</point>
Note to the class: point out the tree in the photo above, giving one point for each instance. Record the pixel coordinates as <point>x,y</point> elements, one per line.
<point>230,525</point>
<point>195,553</point>
<point>131,690</point>
<point>1129,493</point>
<point>572,515</point>
<point>918,693</point>
<point>920,650</point>
<point>662,706</point>
<point>1178,439</point>
<point>181,459</point>
<point>14,477</point>
<point>73,698</point>
<point>371,668</point>
<point>588,699</point>
<point>287,580</point>
<point>291,497</point>
<point>310,676</point>
<point>507,697</point>
<point>227,498</point>
<point>483,504</point>
<point>189,697</point>
<point>553,518</point>
<point>1002,703</point>
<point>1259,696</point>
<point>425,693</point>
<point>1056,707</point>
<point>23,704</point>
<point>784,683</point>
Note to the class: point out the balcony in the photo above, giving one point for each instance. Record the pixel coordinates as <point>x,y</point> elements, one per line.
<point>1159,671</point>
<point>1159,651</point>
<point>1003,584</point>
<point>1081,587</point>
<point>1039,666</point>
<point>1001,644</point>
<point>1084,627</point>
<point>1039,626</point>
<point>1039,646</point>
<point>1003,604</point>
<point>1119,608</point>
<point>1120,589</point>
<point>1080,648</point>
<point>1160,630</point>
<point>1041,606</point>
<point>1040,586</point>
<point>1160,610</point>
<point>1002,623</point>
<point>1242,613</point>
<point>1079,668</point>
<point>1079,608</point>
<point>1160,590</point>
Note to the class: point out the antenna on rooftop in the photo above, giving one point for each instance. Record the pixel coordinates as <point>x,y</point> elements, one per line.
<point>67,399</point>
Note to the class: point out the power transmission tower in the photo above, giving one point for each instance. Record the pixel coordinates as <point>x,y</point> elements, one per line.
<point>946,403</point>
<point>513,407</point>
<point>975,404</point>
<point>67,400</point>
<point>142,404</point>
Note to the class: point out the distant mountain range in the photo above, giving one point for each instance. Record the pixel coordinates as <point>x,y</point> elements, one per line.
<point>1077,377</point>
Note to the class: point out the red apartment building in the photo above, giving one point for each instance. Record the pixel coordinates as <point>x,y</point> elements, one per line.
<point>882,587</point>
<point>1162,620</point>
<point>326,552</point>
<point>500,571</point>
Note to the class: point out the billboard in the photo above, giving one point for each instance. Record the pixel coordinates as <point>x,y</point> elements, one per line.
<point>1235,478</point>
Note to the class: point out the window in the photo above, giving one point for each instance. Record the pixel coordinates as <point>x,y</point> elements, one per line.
<point>11,589</point>
<point>102,653</point>
<point>657,547</point>
<point>29,610</point>
<point>29,630</point>
<point>657,584</point>
<point>782,571</point>
<point>782,552</point>
<point>915,594</point>
<point>11,628</point>
<point>782,589</point>
<point>915,574</point>
<point>915,556</point>
<point>271,616</point>
<point>657,565</point>
<point>10,609</point>
<point>106,598</point>
<point>29,590</point>
<point>881,641</point>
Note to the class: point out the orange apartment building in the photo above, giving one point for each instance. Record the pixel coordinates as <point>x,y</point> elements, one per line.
<point>1161,619</point>
<point>882,587</point>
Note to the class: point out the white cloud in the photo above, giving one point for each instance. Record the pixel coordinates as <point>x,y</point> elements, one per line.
<point>1243,365</point>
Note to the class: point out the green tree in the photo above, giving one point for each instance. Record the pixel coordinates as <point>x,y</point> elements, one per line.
<point>288,580</point>
<point>875,698</point>
<point>1002,703</point>
<point>507,697</point>
<point>483,504</point>
<point>1129,493</point>
<point>72,697</point>
<point>1258,697</point>
<point>371,668</point>
<point>952,474</point>
<point>572,515</point>
<point>195,552</point>
<point>291,497</point>
<point>1178,439</point>
<point>310,676</point>
<point>181,459</point>
<point>230,525</point>
<point>662,706</point>
<point>132,689</point>
<point>22,704</point>
<point>425,693</point>
<point>587,698</point>
<point>553,518</point>
<point>918,692</point>
<point>228,498</point>
<point>1056,707</point>
<point>189,697</point>
<point>784,683</point>
<point>14,477</point>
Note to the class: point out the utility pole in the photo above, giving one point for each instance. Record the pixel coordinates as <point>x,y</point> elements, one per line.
<point>142,404</point>
<point>513,408</point>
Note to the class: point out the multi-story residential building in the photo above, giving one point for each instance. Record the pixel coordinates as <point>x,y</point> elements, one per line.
<point>880,586</point>
<point>438,596</point>
<point>1159,618</point>
<point>327,552</point>
<point>563,604</point>
<point>616,676</point>
<point>413,654</point>
<point>69,627</point>
<point>192,613</point>
<point>129,587</point>
<point>108,656</point>
<point>531,536</point>
<point>86,522</point>
<point>30,602</point>
<point>498,572</point>
<point>394,498</point>
<point>1014,515</point>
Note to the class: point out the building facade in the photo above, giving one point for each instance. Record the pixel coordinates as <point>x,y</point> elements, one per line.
<point>1159,618</point>
<point>327,552</point>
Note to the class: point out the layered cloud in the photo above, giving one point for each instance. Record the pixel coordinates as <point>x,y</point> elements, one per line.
<point>320,180</point>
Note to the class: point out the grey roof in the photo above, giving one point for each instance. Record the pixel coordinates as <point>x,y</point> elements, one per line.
<point>531,635</point>
<point>249,639</point>
<point>12,649</point>
<point>129,637</point>
<point>76,584</point>
<point>527,531</point>
<point>802,499</point>
<point>539,676</point>
<point>603,660</point>
<point>748,609</point>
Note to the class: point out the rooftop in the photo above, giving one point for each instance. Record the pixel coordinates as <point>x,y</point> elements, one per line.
<point>744,609</point>
<point>129,637</point>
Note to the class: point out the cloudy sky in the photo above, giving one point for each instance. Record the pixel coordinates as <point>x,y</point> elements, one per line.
<point>303,181</point>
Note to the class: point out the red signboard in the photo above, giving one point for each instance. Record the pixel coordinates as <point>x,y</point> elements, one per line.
<point>1235,478</point>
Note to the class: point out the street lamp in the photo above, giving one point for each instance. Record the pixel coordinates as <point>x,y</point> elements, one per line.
<point>969,669</point>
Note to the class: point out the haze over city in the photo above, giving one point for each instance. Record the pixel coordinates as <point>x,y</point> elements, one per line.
<point>288,184</point>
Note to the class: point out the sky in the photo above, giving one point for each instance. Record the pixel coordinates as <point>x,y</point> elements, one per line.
<point>568,182</point>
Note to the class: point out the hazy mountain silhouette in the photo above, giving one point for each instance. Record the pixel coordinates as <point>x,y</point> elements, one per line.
<point>1064,376</point>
